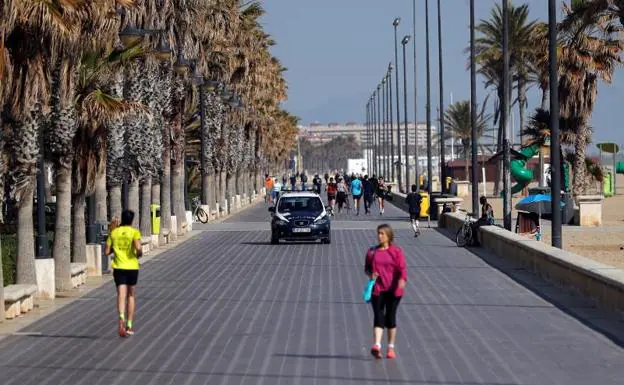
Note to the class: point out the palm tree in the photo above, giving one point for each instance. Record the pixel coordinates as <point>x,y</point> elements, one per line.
<point>589,53</point>
<point>457,120</point>
<point>490,57</point>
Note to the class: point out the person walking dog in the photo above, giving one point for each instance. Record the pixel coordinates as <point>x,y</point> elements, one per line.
<point>385,264</point>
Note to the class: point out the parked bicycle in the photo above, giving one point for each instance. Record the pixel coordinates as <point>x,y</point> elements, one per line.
<point>199,214</point>
<point>464,235</point>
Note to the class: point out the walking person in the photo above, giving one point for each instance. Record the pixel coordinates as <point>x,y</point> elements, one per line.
<point>304,180</point>
<point>385,264</point>
<point>326,178</point>
<point>413,201</point>
<point>275,193</point>
<point>342,194</point>
<point>332,190</point>
<point>369,193</point>
<point>125,243</point>
<point>293,182</point>
<point>268,185</point>
<point>356,190</point>
<point>381,194</point>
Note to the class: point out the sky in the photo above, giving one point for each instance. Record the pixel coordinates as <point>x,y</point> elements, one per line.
<point>337,51</point>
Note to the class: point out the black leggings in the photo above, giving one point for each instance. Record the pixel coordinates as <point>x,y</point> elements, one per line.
<point>385,308</point>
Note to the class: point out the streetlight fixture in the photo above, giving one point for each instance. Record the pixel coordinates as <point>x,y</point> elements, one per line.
<point>396,23</point>
<point>379,128</point>
<point>555,154</point>
<point>416,150</point>
<point>404,42</point>
<point>163,51</point>
<point>384,128</point>
<point>182,65</point>
<point>131,36</point>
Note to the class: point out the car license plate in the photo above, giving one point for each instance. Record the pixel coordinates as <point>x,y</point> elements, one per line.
<point>302,230</point>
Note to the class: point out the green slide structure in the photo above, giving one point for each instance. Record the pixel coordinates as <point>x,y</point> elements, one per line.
<point>520,172</point>
<point>619,167</point>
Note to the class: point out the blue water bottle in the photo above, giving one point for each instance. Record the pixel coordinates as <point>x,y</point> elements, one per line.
<point>368,291</point>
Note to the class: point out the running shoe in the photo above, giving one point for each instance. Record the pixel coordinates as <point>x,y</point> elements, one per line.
<point>376,352</point>
<point>130,331</point>
<point>391,354</point>
<point>122,328</point>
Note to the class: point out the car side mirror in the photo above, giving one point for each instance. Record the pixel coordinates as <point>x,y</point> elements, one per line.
<point>272,209</point>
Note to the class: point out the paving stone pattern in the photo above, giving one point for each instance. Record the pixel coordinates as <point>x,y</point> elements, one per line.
<point>229,308</point>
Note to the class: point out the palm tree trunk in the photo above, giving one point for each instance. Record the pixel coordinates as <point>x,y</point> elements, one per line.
<point>238,182</point>
<point>115,201</point>
<point>26,239</point>
<point>211,189</point>
<point>133,200</point>
<point>146,202</point>
<point>155,192</point>
<point>177,195</point>
<point>165,195</point>
<point>101,211</point>
<point>521,103</point>
<point>466,159</point>
<point>79,236</point>
<point>61,251</point>
<point>580,177</point>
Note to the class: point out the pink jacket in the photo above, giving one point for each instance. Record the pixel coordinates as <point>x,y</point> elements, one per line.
<point>390,266</point>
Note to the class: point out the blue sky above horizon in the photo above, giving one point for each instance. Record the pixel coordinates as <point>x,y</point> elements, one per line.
<point>337,51</point>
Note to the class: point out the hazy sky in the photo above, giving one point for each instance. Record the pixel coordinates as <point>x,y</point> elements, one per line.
<point>337,51</point>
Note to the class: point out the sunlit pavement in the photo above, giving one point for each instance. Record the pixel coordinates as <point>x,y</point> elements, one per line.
<point>229,308</point>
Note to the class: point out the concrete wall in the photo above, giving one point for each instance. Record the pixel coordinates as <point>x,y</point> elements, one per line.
<point>604,283</point>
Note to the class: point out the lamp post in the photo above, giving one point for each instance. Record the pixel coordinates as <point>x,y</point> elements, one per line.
<point>379,127</point>
<point>416,149</point>
<point>391,161</point>
<point>473,109</point>
<point>428,106</point>
<point>374,131</point>
<point>384,127</point>
<point>441,80</point>
<point>555,154</point>
<point>505,120</point>
<point>42,232</point>
<point>396,23</point>
<point>404,42</point>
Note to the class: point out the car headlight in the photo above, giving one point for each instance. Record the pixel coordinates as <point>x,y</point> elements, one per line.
<point>323,221</point>
<point>280,222</point>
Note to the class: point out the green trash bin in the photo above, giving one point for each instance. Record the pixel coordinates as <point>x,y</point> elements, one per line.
<point>155,219</point>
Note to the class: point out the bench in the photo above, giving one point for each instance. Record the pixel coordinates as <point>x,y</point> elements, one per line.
<point>78,274</point>
<point>18,299</point>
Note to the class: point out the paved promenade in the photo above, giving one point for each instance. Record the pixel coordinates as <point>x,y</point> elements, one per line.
<point>229,308</point>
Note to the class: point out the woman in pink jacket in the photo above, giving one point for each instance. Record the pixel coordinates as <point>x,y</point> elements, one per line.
<point>385,263</point>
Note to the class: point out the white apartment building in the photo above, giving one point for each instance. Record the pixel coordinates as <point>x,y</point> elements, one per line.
<point>318,133</point>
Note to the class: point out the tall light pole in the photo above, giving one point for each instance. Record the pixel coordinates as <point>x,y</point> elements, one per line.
<point>396,23</point>
<point>374,132</point>
<point>391,163</point>
<point>555,154</point>
<point>428,106</point>
<point>473,110</point>
<point>379,128</point>
<point>505,120</point>
<point>42,232</point>
<point>384,127</point>
<point>441,71</point>
<point>366,124</point>
<point>416,150</point>
<point>404,42</point>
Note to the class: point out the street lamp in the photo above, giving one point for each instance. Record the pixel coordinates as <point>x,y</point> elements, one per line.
<point>131,36</point>
<point>428,106</point>
<point>391,162</point>
<point>555,154</point>
<point>182,65</point>
<point>505,118</point>
<point>416,150</point>
<point>379,118</point>
<point>384,132</point>
<point>404,42</point>
<point>396,23</point>
<point>473,109</point>
<point>441,80</point>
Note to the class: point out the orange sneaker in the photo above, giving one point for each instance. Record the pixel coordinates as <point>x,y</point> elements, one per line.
<point>391,354</point>
<point>376,351</point>
<point>122,328</point>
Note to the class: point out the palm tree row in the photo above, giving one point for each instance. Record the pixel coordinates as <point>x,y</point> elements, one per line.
<point>590,49</point>
<point>119,89</point>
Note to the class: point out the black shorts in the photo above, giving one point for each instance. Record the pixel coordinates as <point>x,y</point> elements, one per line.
<point>414,217</point>
<point>331,197</point>
<point>357,197</point>
<point>125,277</point>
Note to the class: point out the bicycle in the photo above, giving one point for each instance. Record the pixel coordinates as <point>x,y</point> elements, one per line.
<point>198,213</point>
<point>464,234</point>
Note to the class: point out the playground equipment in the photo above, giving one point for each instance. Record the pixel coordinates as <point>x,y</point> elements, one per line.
<point>519,171</point>
<point>609,185</point>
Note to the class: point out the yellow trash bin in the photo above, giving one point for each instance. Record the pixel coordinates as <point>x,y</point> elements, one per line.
<point>448,181</point>
<point>155,219</point>
<point>424,205</point>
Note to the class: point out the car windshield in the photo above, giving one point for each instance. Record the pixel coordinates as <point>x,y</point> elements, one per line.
<point>300,204</point>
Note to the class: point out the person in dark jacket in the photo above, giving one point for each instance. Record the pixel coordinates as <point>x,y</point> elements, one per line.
<point>413,201</point>
<point>293,182</point>
<point>368,190</point>
<point>304,180</point>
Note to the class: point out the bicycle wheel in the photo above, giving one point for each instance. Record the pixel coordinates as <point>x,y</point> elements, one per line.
<point>460,238</point>
<point>202,216</point>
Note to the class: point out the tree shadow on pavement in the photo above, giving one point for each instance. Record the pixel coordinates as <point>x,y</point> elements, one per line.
<point>566,299</point>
